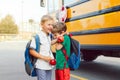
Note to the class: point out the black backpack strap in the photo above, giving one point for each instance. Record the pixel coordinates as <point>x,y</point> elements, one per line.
<point>51,36</point>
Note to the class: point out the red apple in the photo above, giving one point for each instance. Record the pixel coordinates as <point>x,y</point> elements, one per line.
<point>60,39</point>
<point>52,62</point>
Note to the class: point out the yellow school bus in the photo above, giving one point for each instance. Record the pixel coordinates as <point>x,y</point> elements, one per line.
<point>94,23</point>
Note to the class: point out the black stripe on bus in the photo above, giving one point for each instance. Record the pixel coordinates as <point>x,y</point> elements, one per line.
<point>77,3</point>
<point>96,13</point>
<point>97,31</point>
<point>101,47</point>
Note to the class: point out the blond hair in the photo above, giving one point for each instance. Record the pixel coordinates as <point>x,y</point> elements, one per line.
<point>46,18</point>
<point>58,27</point>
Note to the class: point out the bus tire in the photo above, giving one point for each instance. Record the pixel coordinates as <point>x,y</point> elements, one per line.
<point>89,57</point>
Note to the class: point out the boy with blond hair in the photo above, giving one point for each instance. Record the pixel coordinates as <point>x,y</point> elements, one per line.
<point>43,68</point>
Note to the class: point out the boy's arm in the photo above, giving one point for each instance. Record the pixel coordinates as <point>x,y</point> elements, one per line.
<point>53,41</point>
<point>59,46</point>
<point>39,56</point>
<point>36,54</point>
<point>63,33</point>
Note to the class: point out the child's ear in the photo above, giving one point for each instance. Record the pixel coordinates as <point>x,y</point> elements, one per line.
<point>62,32</point>
<point>41,23</point>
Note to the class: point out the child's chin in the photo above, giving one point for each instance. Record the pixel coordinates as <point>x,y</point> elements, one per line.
<point>49,31</point>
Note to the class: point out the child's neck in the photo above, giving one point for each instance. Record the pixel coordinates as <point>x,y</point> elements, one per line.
<point>45,32</point>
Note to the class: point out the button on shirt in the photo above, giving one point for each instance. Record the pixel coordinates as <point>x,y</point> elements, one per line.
<point>45,50</point>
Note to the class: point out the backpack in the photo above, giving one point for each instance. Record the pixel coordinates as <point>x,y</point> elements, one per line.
<point>75,55</point>
<point>29,59</point>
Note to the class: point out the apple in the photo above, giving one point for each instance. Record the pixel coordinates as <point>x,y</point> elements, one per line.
<point>52,62</point>
<point>60,39</point>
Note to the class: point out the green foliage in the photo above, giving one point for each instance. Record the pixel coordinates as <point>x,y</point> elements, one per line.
<point>8,26</point>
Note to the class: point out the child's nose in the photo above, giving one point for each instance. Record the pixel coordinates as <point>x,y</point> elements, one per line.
<point>51,26</point>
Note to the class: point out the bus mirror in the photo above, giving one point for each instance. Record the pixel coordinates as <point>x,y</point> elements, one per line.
<point>61,15</point>
<point>42,3</point>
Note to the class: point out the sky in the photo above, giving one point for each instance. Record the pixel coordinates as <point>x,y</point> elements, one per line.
<point>22,10</point>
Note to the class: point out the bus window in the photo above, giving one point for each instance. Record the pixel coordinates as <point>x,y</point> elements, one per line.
<point>53,5</point>
<point>56,4</point>
<point>67,2</point>
<point>50,6</point>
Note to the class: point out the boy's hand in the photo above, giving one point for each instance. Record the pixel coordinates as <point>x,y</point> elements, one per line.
<point>53,41</point>
<point>59,46</point>
<point>47,58</point>
<point>63,33</point>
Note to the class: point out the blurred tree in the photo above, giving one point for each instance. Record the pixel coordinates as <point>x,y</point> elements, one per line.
<point>31,22</point>
<point>8,26</point>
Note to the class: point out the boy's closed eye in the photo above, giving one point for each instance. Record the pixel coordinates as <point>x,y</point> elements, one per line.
<point>50,24</point>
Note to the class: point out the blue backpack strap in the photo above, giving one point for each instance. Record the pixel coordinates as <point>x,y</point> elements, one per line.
<point>37,40</point>
<point>51,36</point>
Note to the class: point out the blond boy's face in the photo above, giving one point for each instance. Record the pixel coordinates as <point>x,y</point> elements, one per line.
<point>47,26</point>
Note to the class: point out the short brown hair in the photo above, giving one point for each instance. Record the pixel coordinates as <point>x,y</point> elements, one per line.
<point>58,27</point>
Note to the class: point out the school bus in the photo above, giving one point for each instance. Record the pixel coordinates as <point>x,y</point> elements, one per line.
<point>94,23</point>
